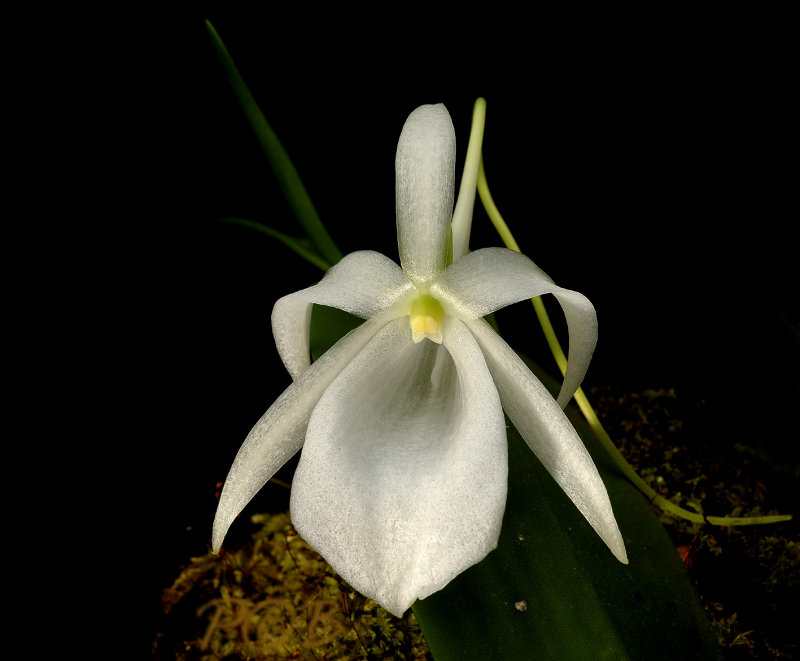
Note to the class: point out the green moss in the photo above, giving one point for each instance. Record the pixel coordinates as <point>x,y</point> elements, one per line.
<point>748,577</point>
<point>275,597</point>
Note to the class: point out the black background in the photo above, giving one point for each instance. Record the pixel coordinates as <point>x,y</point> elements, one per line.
<point>650,166</point>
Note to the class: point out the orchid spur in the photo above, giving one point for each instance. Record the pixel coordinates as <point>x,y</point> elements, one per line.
<point>401,483</point>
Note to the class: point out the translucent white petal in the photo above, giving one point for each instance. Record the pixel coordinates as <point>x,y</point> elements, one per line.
<point>279,434</point>
<point>491,278</point>
<point>401,484</point>
<point>363,283</point>
<point>548,432</point>
<point>425,183</point>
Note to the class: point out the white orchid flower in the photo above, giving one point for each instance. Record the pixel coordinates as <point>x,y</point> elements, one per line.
<point>401,484</point>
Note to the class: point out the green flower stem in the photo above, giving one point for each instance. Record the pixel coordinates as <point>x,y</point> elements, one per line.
<point>462,214</point>
<point>291,242</point>
<point>747,520</point>
<point>583,403</point>
<point>289,181</point>
<point>493,212</point>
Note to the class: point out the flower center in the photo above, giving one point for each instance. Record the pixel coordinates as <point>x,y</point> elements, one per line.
<point>427,319</point>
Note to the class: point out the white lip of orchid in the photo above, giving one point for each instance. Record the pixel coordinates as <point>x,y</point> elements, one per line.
<point>401,484</point>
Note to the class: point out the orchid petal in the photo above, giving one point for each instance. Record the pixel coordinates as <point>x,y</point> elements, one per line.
<point>491,278</point>
<point>363,283</point>
<point>425,183</point>
<point>401,484</point>
<point>279,434</point>
<point>549,433</point>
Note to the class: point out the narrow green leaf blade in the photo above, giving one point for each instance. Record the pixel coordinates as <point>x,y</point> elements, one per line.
<point>299,246</point>
<point>286,174</point>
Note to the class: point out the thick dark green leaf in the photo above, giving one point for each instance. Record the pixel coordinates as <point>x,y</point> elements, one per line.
<point>327,326</point>
<point>552,590</point>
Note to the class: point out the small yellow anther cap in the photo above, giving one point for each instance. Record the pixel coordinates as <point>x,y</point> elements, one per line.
<point>427,319</point>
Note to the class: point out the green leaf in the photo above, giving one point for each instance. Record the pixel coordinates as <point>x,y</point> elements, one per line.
<point>328,325</point>
<point>552,590</point>
<point>301,246</point>
<point>289,181</point>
